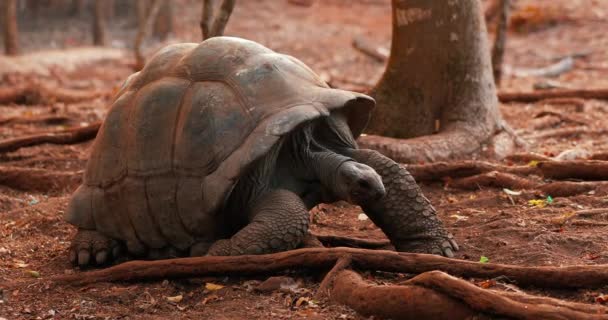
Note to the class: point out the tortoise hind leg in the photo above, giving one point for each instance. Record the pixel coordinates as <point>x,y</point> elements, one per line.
<point>90,247</point>
<point>279,222</point>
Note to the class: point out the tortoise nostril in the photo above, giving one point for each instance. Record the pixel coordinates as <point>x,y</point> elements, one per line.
<point>364,184</point>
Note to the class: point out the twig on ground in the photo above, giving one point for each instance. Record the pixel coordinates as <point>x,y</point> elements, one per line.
<point>578,103</point>
<point>68,136</point>
<point>552,70</point>
<point>564,132</point>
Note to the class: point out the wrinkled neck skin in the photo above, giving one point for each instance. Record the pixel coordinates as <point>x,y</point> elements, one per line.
<point>305,162</point>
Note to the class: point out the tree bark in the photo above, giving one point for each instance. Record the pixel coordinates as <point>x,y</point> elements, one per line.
<point>99,24</point>
<point>206,18</point>
<point>144,27</point>
<point>11,32</point>
<point>498,51</point>
<point>438,79</point>
<point>163,25</point>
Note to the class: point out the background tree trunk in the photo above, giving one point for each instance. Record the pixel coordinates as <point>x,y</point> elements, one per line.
<point>163,25</point>
<point>144,27</point>
<point>11,32</point>
<point>99,23</point>
<point>438,79</point>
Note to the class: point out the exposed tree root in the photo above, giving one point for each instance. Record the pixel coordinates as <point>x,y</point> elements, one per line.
<point>565,132</point>
<point>512,305</point>
<point>327,283</point>
<point>55,119</point>
<point>578,103</point>
<point>441,170</point>
<point>339,241</point>
<point>564,117</point>
<point>449,144</point>
<point>381,260</point>
<point>600,156</point>
<point>68,136</point>
<point>505,180</point>
<point>527,157</point>
<point>575,169</point>
<point>39,94</point>
<point>506,97</point>
<point>437,295</point>
<point>396,302</point>
<point>39,180</point>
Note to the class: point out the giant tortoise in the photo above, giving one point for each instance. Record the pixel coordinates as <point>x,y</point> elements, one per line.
<point>221,148</point>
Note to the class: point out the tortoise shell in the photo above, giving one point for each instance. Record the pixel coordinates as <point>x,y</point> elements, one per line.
<point>181,131</point>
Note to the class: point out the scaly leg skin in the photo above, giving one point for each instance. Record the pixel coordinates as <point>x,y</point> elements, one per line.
<point>404,214</point>
<point>279,222</point>
<point>90,247</point>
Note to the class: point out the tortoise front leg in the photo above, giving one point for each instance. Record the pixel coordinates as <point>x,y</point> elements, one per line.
<point>279,222</point>
<point>404,214</point>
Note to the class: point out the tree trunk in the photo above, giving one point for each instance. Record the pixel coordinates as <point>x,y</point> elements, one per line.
<point>141,7</point>
<point>144,27</point>
<point>11,32</point>
<point>163,25</point>
<point>99,24</point>
<point>438,79</point>
<point>77,7</point>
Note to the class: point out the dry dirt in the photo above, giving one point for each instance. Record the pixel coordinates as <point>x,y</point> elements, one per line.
<point>486,222</point>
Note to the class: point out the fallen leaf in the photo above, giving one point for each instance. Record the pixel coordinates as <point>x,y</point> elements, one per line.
<point>33,273</point>
<point>487,283</point>
<point>564,218</point>
<point>539,203</point>
<point>602,298</point>
<point>175,299</point>
<point>301,301</point>
<point>483,259</point>
<point>533,163</point>
<point>549,200</point>
<point>212,286</point>
<point>362,217</point>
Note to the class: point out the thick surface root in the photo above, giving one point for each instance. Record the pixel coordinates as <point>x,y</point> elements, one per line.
<point>39,94</point>
<point>555,277</point>
<point>396,302</point>
<point>446,145</point>
<point>551,94</point>
<point>68,136</point>
<point>39,180</point>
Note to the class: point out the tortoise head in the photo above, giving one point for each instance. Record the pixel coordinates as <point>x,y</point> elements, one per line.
<point>358,183</point>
